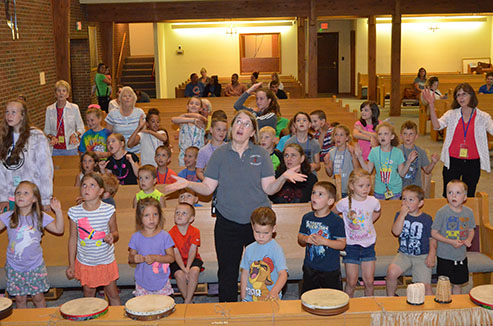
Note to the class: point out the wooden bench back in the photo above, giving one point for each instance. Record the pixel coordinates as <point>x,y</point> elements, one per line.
<point>288,221</point>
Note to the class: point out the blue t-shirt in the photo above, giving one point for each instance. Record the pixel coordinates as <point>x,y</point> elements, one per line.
<point>194,90</point>
<point>331,227</point>
<point>386,164</point>
<point>151,277</point>
<point>414,239</point>
<point>94,141</point>
<point>484,89</point>
<point>189,175</point>
<point>263,262</point>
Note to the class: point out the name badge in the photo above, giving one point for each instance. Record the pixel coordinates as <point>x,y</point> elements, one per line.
<point>17,180</point>
<point>61,139</point>
<point>388,194</point>
<point>463,150</point>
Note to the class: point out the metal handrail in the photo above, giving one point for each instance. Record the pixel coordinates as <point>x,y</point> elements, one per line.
<point>119,67</point>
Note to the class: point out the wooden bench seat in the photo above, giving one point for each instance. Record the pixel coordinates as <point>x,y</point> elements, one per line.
<point>288,221</point>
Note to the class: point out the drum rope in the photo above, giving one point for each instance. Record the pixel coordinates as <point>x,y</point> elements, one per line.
<point>274,304</point>
<point>223,312</point>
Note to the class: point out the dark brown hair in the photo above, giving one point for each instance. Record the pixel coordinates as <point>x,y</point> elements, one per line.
<point>466,87</point>
<point>417,190</point>
<point>263,216</point>
<point>139,212</point>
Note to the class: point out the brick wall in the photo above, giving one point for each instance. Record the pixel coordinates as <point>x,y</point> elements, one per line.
<point>22,60</point>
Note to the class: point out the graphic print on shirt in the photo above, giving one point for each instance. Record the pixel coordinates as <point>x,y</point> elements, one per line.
<point>156,266</point>
<point>25,237</point>
<point>457,227</point>
<point>386,170</point>
<point>322,230</point>
<point>259,278</point>
<point>95,143</point>
<point>14,164</point>
<point>358,228</point>
<point>410,238</point>
<point>87,232</point>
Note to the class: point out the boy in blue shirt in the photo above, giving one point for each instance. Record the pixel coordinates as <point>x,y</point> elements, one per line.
<point>322,233</point>
<point>417,249</point>
<point>263,266</point>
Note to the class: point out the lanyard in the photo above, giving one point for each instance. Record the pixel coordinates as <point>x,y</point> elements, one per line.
<point>342,163</point>
<point>61,120</point>
<point>411,173</point>
<point>165,176</point>
<point>464,127</point>
<point>387,174</point>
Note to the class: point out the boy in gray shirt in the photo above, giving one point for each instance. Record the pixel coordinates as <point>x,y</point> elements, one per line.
<point>453,228</point>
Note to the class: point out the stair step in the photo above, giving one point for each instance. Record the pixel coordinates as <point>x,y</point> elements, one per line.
<point>138,65</point>
<point>140,85</point>
<point>136,72</point>
<point>139,59</point>
<point>137,78</point>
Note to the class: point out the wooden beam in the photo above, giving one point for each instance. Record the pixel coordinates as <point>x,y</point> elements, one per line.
<point>312,52</point>
<point>301,53</point>
<point>372,59</point>
<point>352,43</point>
<point>395,63</point>
<point>61,34</point>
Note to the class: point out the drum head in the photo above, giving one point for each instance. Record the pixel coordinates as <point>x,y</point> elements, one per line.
<point>149,305</point>
<point>324,299</point>
<point>83,307</point>
<point>482,295</point>
<point>6,307</point>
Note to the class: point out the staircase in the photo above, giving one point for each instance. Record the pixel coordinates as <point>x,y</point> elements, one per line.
<point>137,73</point>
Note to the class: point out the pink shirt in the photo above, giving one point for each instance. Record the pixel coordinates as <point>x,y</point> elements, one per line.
<point>365,145</point>
<point>458,139</point>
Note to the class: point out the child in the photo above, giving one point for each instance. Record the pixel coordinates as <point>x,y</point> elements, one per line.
<point>268,141</point>
<point>294,192</point>
<point>301,137</point>
<point>147,184</point>
<point>96,137</point>
<point>321,128</point>
<point>93,230</point>
<point>341,159</point>
<point>163,158</point>
<point>364,128</point>
<point>89,162</point>
<point>25,267</point>
<point>409,134</point>
<point>192,127</point>
<point>151,248</point>
<point>110,188</point>
<point>322,233</point>
<point>263,266</point>
<point>121,163</point>
<point>149,136</point>
<point>190,159</point>
<point>453,228</point>
<point>417,249</point>
<point>189,196</point>
<point>388,161</point>
<point>188,264</point>
<point>285,134</point>
<point>359,212</point>
<point>219,129</point>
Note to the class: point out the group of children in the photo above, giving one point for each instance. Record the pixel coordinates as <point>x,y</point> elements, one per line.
<point>159,254</point>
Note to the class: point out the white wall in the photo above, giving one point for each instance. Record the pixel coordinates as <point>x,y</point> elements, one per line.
<point>141,39</point>
<point>215,50</point>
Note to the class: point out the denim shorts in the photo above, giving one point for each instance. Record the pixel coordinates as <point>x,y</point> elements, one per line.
<point>396,196</point>
<point>355,254</point>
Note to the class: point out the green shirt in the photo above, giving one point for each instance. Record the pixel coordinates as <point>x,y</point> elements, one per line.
<point>156,194</point>
<point>101,86</point>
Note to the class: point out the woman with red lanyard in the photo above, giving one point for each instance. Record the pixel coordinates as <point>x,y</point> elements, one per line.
<point>465,149</point>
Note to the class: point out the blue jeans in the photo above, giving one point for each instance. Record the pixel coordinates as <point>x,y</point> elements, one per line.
<point>355,254</point>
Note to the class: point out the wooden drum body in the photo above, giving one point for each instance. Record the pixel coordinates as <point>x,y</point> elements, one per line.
<point>150,307</point>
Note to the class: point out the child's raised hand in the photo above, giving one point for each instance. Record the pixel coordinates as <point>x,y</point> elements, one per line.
<point>254,87</point>
<point>435,157</point>
<point>351,149</point>
<point>56,205</point>
<point>103,164</point>
<point>142,122</point>
<point>129,158</point>
<point>70,272</point>
<point>109,238</point>
<point>412,156</point>
<point>78,200</point>
<point>357,150</point>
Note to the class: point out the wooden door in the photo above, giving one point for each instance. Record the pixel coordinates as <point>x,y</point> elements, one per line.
<point>328,63</point>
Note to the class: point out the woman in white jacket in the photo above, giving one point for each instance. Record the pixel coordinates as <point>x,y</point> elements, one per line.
<point>24,155</point>
<point>63,122</point>
<point>465,149</point>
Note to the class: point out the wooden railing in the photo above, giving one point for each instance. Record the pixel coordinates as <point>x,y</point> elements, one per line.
<point>120,57</point>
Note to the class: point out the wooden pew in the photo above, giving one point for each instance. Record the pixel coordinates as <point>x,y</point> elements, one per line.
<point>288,221</point>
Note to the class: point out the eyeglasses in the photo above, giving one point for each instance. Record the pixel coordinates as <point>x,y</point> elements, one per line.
<point>246,124</point>
<point>462,94</point>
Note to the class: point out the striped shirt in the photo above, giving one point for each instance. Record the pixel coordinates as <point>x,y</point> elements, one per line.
<point>92,227</point>
<point>125,125</point>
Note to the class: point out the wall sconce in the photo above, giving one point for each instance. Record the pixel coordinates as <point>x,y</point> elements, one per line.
<point>434,27</point>
<point>231,30</point>
<point>180,50</point>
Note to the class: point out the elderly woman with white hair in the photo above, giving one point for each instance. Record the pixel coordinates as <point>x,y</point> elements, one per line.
<point>126,119</point>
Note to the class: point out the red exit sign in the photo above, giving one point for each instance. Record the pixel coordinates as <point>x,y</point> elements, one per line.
<point>324,25</point>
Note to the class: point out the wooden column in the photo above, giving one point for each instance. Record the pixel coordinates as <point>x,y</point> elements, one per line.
<point>372,59</point>
<point>301,53</point>
<point>61,33</point>
<point>107,31</point>
<point>312,52</point>
<point>395,62</point>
